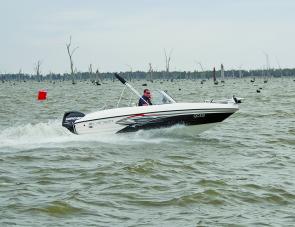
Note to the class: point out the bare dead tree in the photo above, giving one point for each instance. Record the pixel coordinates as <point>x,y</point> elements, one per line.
<point>70,53</point>
<point>222,73</point>
<point>90,72</point>
<point>279,67</point>
<point>50,76</point>
<point>77,74</point>
<point>267,64</point>
<point>150,72</point>
<point>97,77</point>
<point>167,60</point>
<point>20,72</point>
<point>202,73</point>
<point>129,74</point>
<point>240,71</point>
<point>2,77</point>
<point>37,70</point>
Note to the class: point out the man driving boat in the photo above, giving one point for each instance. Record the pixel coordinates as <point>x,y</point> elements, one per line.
<point>145,100</point>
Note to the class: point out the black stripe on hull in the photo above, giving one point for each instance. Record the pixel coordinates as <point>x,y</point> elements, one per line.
<point>191,119</point>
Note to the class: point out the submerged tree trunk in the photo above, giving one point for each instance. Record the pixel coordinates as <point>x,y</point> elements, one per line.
<point>167,62</point>
<point>37,69</point>
<point>150,73</point>
<point>70,53</point>
<point>90,73</point>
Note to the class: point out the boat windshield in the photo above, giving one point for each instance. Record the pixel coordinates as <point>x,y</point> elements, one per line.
<point>161,97</point>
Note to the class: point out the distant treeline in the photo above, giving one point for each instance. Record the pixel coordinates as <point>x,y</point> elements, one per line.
<point>82,76</point>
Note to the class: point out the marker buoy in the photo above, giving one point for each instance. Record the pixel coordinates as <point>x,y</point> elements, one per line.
<point>42,95</point>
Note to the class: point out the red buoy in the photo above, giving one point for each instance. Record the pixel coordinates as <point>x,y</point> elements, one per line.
<point>42,95</point>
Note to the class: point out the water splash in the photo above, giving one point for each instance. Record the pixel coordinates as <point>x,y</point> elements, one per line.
<point>51,134</point>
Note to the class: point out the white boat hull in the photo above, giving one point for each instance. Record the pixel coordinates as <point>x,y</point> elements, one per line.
<point>198,116</point>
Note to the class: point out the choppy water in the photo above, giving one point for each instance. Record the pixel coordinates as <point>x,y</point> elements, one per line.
<point>240,173</point>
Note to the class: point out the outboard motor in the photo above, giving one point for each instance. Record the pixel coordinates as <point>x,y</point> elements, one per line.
<point>237,100</point>
<point>70,118</point>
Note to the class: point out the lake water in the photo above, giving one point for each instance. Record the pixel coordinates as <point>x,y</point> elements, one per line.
<point>240,173</point>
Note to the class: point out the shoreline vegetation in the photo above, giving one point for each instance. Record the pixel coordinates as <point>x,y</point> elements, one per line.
<point>148,76</point>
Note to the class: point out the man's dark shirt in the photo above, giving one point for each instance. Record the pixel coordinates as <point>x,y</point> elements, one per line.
<point>142,103</point>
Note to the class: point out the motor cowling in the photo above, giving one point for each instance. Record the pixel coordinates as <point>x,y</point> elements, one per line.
<point>69,119</point>
<point>237,100</point>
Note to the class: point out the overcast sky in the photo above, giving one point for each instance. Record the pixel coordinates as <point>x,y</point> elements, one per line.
<point>114,35</point>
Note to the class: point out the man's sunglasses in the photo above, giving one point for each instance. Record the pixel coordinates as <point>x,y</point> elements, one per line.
<point>148,93</point>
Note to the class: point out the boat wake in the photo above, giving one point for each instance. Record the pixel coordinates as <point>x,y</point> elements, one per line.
<point>52,135</point>
<point>32,135</point>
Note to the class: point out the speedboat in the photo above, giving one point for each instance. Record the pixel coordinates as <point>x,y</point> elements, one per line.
<point>165,112</point>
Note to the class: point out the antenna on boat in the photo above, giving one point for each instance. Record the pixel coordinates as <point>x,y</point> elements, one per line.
<point>123,81</point>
